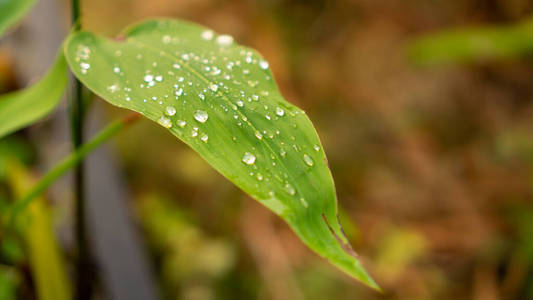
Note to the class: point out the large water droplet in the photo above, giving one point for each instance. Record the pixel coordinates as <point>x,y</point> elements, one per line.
<point>201,116</point>
<point>112,88</point>
<point>224,40</point>
<point>170,110</point>
<point>263,64</point>
<point>204,138</point>
<point>208,35</point>
<point>165,122</point>
<point>148,78</point>
<point>181,123</point>
<point>248,158</point>
<point>279,111</point>
<point>308,160</point>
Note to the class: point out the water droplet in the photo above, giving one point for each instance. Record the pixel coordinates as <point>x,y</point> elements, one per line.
<point>248,158</point>
<point>204,138</point>
<point>116,70</point>
<point>165,122</point>
<point>213,87</point>
<point>282,153</point>
<point>185,56</point>
<point>304,203</point>
<point>258,135</point>
<point>240,103</point>
<point>148,78</point>
<point>224,40</point>
<point>112,88</point>
<point>316,147</point>
<point>83,52</point>
<point>308,160</point>
<point>166,39</point>
<point>289,189</point>
<point>170,110</point>
<point>85,66</point>
<point>279,111</point>
<point>208,35</point>
<point>159,78</point>
<point>176,66</point>
<point>259,176</point>
<point>201,116</point>
<point>263,64</point>
<point>194,133</point>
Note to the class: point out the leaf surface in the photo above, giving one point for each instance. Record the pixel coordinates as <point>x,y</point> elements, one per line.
<point>12,11</point>
<point>220,98</point>
<point>22,108</point>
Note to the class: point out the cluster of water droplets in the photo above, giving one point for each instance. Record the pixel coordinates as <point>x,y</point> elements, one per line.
<point>211,81</point>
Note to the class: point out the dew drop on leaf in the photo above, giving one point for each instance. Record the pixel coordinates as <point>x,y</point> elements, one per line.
<point>148,78</point>
<point>224,40</point>
<point>201,116</point>
<point>208,35</point>
<point>263,64</point>
<point>248,158</point>
<point>181,123</point>
<point>165,122</point>
<point>290,189</point>
<point>279,111</point>
<point>308,160</point>
<point>170,110</point>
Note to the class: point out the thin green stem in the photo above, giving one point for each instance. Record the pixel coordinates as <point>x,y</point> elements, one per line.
<point>77,114</point>
<point>69,162</point>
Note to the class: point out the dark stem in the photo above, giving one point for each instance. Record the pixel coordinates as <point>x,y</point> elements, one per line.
<point>83,262</point>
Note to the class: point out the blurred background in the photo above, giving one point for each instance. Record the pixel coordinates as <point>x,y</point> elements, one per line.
<point>425,110</point>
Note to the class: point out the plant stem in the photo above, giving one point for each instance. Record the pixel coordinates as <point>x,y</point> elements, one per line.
<point>69,162</point>
<point>77,113</point>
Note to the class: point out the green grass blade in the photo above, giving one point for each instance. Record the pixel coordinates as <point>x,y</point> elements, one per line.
<point>220,98</point>
<point>22,108</point>
<point>11,11</point>
<point>46,261</point>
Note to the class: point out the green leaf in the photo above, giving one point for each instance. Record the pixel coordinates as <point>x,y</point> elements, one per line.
<point>22,108</point>
<point>45,258</point>
<point>473,44</point>
<point>12,11</point>
<point>221,99</point>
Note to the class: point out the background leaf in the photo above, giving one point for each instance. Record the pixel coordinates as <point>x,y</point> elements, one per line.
<point>220,98</point>
<point>22,108</point>
<point>11,11</point>
<point>474,44</point>
<point>45,257</point>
